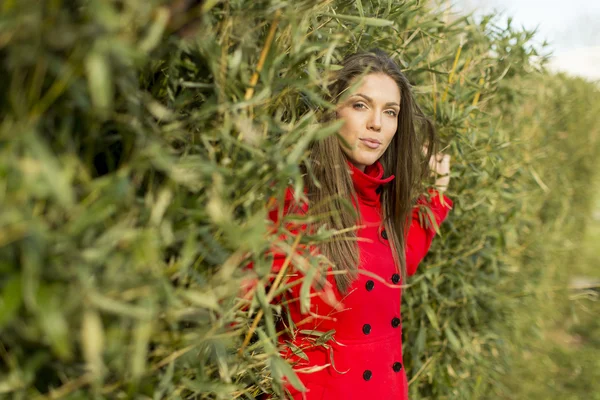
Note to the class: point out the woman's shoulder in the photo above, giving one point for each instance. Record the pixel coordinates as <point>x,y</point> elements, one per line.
<point>292,204</point>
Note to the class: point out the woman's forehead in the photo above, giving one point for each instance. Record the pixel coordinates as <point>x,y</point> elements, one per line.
<point>377,87</point>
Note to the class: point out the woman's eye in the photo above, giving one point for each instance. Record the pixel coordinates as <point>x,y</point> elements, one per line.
<point>391,112</point>
<point>359,106</point>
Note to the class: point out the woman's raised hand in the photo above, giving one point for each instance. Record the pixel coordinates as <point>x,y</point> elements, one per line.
<point>440,166</point>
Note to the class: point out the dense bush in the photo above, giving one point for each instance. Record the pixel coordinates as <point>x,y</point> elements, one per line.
<point>561,130</point>
<point>141,142</point>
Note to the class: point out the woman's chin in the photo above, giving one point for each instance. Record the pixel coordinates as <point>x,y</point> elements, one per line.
<point>362,159</point>
<point>367,160</point>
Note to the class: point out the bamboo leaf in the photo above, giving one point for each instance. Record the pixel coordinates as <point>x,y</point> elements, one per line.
<point>432,317</point>
<point>369,21</point>
<point>100,83</point>
<point>281,369</point>
<point>92,341</point>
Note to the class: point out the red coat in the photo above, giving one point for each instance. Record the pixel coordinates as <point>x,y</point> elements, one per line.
<point>365,359</point>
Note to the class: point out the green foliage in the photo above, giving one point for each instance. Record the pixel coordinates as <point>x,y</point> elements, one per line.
<point>563,342</point>
<point>141,142</point>
<point>553,351</point>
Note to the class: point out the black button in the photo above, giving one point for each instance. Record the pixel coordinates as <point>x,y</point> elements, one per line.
<point>379,189</point>
<point>384,234</point>
<point>367,375</point>
<point>397,366</point>
<point>366,329</point>
<point>369,285</point>
<point>395,322</point>
<point>395,278</point>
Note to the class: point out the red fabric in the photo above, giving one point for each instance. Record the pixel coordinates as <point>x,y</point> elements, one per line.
<point>419,237</point>
<point>367,341</point>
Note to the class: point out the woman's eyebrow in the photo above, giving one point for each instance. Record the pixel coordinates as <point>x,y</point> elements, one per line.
<point>370,100</point>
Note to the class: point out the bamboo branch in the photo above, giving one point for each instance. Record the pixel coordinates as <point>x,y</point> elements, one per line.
<point>270,295</point>
<point>263,56</point>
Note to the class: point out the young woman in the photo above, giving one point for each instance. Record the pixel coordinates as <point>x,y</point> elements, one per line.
<point>379,165</point>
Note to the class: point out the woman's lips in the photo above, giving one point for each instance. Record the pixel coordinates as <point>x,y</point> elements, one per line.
<point>372,144</point>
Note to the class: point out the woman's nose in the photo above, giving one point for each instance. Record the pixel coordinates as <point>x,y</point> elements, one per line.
<point>375,121</point>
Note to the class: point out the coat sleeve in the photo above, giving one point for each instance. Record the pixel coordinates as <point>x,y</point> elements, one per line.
<point>419,237</point>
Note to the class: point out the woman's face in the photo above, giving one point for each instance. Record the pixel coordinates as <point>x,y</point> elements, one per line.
<point>370,119</point>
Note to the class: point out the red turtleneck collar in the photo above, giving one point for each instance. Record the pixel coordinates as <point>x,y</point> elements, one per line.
<point>366,183</point>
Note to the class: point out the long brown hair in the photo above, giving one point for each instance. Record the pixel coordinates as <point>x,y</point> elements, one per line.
<point>329,181</point>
